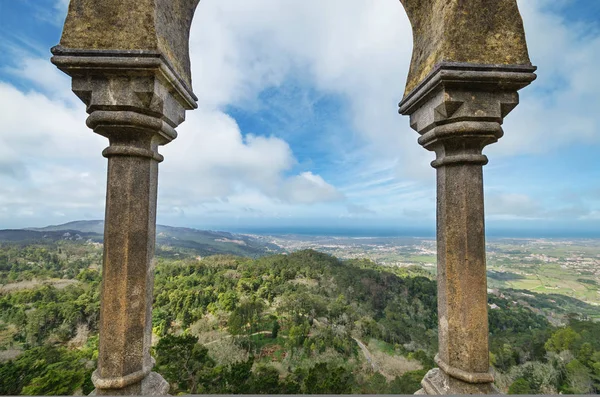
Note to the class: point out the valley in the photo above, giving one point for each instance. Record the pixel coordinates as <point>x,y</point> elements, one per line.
<point>295,314</point>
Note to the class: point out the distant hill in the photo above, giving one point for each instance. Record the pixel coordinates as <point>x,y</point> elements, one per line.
<point>199,242</point>
<point>95,226</point>
<point>206,242</point>
<point>29,236</point>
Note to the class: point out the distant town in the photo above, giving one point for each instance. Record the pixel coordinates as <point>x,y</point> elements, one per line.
<point>551,266</point>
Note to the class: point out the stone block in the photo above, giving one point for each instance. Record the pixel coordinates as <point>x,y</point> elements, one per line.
<point>467,31</point>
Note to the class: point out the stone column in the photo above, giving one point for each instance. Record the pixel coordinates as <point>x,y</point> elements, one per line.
<point>135,100</point>
<point>458,109</point>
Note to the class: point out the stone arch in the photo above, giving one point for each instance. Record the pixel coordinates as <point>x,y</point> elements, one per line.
<point>129,61</point>
<point>462,31</point>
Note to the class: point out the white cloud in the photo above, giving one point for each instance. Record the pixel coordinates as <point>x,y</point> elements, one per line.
<point>355,209</point>
<point>511,206</point>
<point>239,48</point>
<point>358,50</point>
<point>308,188</point>
<point>517,206</point>
<point>212,152</point>
<point>561,106</point>
<point>594,216</point>
<point>47,79</point>
<point>49,159</point>
<point>37,128</point>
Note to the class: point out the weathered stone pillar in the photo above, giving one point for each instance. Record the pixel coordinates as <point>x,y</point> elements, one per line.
<point>137,111</point>
<point>469,60</point>
<point>458,109</point>
<point>129,64</point>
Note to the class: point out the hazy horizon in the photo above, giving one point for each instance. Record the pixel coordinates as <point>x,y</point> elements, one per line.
<point>359,230</point>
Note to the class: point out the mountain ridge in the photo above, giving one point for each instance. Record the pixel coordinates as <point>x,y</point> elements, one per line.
<point>200,242</point>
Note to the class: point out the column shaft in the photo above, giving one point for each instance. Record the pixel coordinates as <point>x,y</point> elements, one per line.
<point>127,276</point>
<point>462,282</point>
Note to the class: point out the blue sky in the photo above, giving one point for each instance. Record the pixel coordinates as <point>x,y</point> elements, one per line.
<point>298,126</point>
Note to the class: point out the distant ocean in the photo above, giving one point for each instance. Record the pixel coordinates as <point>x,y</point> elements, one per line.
<point>335,232</point>
<point>399,232</point>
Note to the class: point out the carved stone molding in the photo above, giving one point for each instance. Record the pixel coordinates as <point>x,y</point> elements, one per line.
<point>141,87</point>
<point>464,102</point>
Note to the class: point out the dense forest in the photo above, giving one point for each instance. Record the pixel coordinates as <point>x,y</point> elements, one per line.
<point>304,322</point>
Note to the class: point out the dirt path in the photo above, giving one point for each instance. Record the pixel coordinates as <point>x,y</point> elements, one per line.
<point>231,336</point>
<point>367,354</point>
<point>31,284</point>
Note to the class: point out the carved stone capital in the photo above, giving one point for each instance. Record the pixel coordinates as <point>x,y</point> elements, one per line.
<point>459,108</point>
<point>127,92</point>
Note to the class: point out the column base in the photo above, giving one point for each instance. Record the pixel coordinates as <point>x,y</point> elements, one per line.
<point>155,385</point>
<point>437,382</point>
<point>152,385</point>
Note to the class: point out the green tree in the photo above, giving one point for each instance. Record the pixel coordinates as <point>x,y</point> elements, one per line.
<point>585,353</point>
<point>232,379</point>
<point>47,370</point>
<point>275,329</point>
<point>183,361</point>
<point>297,334</point>
<point>228,300</point>
<point>265,380</point>
<point>58,380</point>
<point>245,315</point>
<point>323,378</point>
<point>408,383</point>
<point>579,380</point>
<point>561,340</point>
<point>520,386</point>
<point>377,384</point>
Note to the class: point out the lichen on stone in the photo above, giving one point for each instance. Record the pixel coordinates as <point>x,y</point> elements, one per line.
<point>150,25</point>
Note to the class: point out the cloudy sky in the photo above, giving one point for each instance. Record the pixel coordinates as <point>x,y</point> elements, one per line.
<point>297,125</point>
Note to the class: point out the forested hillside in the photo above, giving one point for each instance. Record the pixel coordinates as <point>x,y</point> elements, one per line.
<point>299,323</point>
